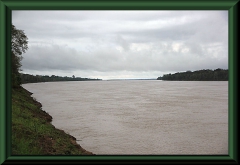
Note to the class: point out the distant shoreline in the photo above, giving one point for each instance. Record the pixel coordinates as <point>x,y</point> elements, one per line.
<point>198,75</point>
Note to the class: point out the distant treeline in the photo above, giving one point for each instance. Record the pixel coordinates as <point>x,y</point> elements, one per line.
<point>199,75</point>
<point>27,78</point>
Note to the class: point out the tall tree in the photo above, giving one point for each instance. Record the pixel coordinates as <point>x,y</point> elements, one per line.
<point>19,45</point>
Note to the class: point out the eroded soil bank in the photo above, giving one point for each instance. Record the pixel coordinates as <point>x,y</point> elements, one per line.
<point>33,133</point>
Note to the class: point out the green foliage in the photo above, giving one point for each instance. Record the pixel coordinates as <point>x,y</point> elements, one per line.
<point>19,41</point>
<point>18,46</point>
<point>199,75</point>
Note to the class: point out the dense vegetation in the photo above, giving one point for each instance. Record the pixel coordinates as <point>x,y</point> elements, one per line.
<point>199,75</point>
<point>27,78</point>
<point>19,45</point>
<point>32,131</point>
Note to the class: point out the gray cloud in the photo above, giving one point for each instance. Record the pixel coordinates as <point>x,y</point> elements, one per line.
<point>123,43</point>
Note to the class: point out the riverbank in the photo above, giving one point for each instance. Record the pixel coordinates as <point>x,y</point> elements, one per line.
<point>33,133</point>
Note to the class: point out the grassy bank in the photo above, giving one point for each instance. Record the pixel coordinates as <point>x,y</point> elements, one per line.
<point>33,133</point>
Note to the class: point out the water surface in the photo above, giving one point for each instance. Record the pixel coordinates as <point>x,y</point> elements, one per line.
<point>140,117</point>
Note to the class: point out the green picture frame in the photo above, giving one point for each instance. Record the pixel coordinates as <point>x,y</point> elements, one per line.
<point>6,7</point>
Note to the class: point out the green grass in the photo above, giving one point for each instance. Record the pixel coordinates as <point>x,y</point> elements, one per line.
<point>32,131</point>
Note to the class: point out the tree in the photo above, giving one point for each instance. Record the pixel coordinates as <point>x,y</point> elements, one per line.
<point>199,75</point>
<point>18,46</point>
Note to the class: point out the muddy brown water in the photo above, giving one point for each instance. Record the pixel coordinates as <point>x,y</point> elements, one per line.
<point>140,117</point>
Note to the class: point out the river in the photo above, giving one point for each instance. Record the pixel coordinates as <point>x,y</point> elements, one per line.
<point>140,117</point>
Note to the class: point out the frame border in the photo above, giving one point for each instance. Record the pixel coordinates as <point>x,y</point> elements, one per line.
<point>6,7</point>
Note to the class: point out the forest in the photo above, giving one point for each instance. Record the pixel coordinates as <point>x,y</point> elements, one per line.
<point>199,75</point>
<point>27,78</point>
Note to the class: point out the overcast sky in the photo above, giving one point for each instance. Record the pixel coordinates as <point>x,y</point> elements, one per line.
<point>122,44</point>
